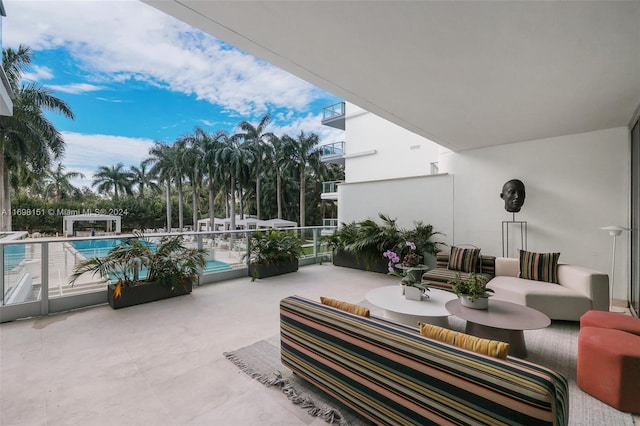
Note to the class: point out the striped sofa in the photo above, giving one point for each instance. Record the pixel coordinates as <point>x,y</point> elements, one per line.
<point>440,276</point>
<point>392,375</point>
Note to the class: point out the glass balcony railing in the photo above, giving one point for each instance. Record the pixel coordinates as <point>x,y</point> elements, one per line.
<point>334,116</point>
<point>336,148</point>
<point>35,275</point>
<point>331,186</point>
<point>333,111</point>
<point>330,223</point>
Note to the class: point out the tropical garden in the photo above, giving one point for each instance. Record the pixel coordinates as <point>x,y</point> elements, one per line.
<point>200,175</point>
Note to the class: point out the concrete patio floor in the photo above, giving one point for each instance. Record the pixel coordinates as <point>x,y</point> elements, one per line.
<point>160,363</point>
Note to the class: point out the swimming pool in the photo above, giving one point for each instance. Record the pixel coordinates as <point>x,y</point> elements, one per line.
<point>100,248</point>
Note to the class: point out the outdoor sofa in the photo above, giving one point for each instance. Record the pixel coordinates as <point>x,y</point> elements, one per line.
<point>577,291</point>
<point>392,375</point>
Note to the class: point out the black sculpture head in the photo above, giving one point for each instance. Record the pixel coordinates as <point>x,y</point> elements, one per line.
<point>513,195</point>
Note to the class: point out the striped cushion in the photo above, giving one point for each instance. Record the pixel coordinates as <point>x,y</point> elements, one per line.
<point>539,266</point>
<point>492,348</point>
<point>463,259</point>
<point>439,278</point>
<point>391,375</point>
<point>345,306</point>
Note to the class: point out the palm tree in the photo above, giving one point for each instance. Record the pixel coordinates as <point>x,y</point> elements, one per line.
<point>257,140</point>
<point>57,181</point>
<point>162,159</point>
<point>143,178</point>
<point>192,162</point>
<point>233,158</point>
<point>179,171</point>
<point>304,148</point>
<point>280,155</point>
<point>114,179</point>
<point>209,145</point>
<point>28,140</point>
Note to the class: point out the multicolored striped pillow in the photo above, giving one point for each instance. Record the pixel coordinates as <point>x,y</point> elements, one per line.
<point>346,306</point>
<point>539,266</point>
<point>492,348</point>
<point>463,259</point>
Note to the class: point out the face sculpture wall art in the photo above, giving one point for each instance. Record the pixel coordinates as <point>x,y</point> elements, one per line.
<point>513,195</point>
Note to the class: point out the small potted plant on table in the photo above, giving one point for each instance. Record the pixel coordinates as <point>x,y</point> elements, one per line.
<point>410,271</point>
<point>472,291</point>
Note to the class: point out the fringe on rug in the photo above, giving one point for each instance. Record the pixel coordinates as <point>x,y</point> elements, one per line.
<point>328,414</point>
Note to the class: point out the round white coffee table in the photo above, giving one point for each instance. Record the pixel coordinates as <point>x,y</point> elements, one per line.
<point>503,321</point>
<point>429,310</point>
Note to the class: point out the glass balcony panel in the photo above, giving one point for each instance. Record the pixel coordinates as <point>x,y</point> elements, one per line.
<point>332,111</point>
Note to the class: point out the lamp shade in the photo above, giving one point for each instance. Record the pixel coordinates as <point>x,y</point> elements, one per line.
<point>614,230</point>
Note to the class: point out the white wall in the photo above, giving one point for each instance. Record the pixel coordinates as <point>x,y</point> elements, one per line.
<point>425,198</point>
<point>398,152</point>
<point>575,184</point>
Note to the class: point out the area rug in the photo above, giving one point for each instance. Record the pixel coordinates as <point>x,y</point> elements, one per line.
<point>554,347</point>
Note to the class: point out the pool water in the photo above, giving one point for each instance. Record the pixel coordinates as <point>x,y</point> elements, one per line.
<point>100,248</point>
<point>95,248</point>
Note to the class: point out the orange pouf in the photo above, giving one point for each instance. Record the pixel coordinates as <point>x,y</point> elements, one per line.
<point>616,321</point>
<point>609,367</point>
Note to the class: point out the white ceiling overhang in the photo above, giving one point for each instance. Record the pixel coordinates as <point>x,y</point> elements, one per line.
<point>463,74</point>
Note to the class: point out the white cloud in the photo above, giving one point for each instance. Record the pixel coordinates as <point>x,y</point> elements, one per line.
<point>74,88</point>
<point>120,40</point>
<point>86,153</point>
<point>38,73</point>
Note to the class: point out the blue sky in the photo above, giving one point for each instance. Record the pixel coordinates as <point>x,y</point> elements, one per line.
<point>133,75</point>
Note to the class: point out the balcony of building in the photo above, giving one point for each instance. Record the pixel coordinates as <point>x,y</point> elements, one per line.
<point>332,153</point>
<point>330,190</point>
<point>333,116</point>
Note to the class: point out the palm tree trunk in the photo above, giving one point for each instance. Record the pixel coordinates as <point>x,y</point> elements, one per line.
<point>258,197</point>
<point>278,193</point>
<point>168,205</point>
<point>212,197</point>
<point>180,206</point>
<point>5,199</point>
<point>233,210</point>
<point>303,184</point>
<point>241,195</point>
<point>194,204</point>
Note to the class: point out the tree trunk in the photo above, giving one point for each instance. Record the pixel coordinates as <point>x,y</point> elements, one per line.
<point>5,198</point>
<point>278,193</point>
<point>180,207</point>
<point>212,197</point>
<point>303,184</point>
<point>232,213</point>
<point>258,198</point>
<point>168,205</point>
<point>194,204</point>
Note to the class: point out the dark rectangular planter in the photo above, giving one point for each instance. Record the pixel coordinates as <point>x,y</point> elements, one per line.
<point>145,293</point>
<point>348,260</point>
<point>272,269</point>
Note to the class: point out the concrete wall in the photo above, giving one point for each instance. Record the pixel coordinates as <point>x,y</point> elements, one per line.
<point>575,184</point>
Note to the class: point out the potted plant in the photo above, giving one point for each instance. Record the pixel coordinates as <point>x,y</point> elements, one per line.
<point>273,252</point>
<point>410,272</point>
<point>472,290</point>
<point>143,271</point>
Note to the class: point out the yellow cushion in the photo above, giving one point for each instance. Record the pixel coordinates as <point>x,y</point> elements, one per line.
<point>345,306</point>
<point>492,348</point>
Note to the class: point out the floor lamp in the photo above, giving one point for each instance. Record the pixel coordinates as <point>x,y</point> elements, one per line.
<point>614,231</point>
